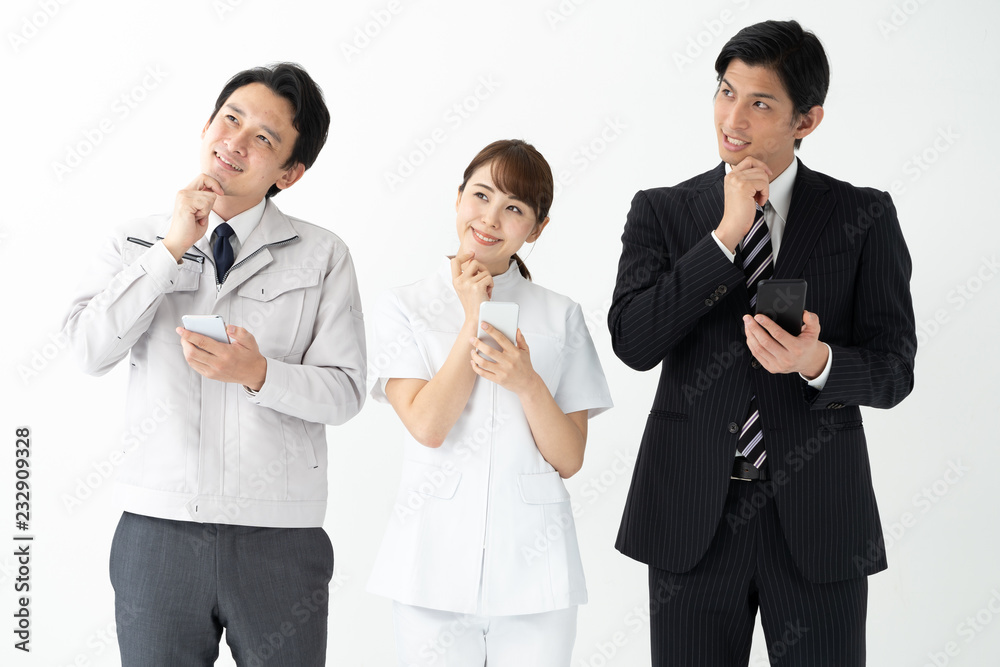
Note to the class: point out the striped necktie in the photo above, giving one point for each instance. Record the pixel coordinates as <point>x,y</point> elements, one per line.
<point>758,264</point>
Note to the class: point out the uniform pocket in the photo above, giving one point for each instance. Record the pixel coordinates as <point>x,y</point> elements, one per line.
<point>274,310</point>
<point>542,488</point>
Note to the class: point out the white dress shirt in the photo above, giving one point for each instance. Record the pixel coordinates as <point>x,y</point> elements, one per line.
<point>779,201</point>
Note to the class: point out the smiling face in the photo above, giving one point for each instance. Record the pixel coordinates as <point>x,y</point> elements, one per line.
<point>754,116</point>
<point>246,147</point>
<point>492,223</point>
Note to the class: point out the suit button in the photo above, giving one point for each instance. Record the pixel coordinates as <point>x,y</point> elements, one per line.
<point>733,427</point>
<point>715,297</point>
<point>709,302</point>
<point>722,289</point>
<point>754,363</point>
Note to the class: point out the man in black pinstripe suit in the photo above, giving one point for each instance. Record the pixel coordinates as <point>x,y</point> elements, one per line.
<point>795,530</point>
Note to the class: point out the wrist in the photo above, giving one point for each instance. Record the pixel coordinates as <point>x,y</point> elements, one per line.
<point>533,388</point>
<point>175,249</point>
<point>818,362</point>
<point>256,381</point>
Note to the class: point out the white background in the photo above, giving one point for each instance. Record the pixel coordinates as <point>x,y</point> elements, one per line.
<point>605,93</point>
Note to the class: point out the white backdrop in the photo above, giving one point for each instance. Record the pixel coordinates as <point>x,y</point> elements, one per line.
<point>102,108</point>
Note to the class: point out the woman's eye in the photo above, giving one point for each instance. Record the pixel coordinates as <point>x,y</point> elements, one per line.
<point>514,208</point>
<point>263,138</point>
<point>482,196</point>
<point>230,117</point>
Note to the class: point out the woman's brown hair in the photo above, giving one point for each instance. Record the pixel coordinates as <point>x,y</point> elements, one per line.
<point>519,170</point>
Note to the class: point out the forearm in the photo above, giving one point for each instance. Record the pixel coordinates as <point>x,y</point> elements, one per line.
<point>560,441</point>
<point>116,305</point>
<point>436,407</point>
<point>653,310</point>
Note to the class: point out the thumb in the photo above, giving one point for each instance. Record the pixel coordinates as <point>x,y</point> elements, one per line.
<point>521,343</point>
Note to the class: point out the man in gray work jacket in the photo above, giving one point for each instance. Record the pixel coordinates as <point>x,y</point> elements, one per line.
<point>224,502</point>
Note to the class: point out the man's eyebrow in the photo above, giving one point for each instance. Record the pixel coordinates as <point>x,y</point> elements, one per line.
<point>766,96</point>
<point>274,134</point>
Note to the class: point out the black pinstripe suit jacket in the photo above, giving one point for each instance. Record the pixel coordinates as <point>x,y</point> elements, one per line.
<point>679,302</point>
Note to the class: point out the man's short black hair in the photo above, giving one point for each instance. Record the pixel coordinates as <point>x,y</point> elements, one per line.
<point>794,54</point>
<point>311,117</point>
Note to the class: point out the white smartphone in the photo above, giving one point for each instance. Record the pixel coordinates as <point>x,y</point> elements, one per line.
<point>212,326</point>
<point>501,315</point>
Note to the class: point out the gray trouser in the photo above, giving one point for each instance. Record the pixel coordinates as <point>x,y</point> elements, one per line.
<point>178,584</point>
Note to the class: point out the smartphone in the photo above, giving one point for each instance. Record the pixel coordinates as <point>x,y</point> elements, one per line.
<point>501,315</point>
<point>212,326</point>
<point>783,301</point>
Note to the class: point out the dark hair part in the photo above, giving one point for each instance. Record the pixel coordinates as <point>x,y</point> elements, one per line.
<point>518,169</point>
<point>310,116</point>
<point>794,54</point>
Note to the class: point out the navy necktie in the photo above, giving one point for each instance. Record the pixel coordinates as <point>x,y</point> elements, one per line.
<point>758,264</point>
<point>222,250</point>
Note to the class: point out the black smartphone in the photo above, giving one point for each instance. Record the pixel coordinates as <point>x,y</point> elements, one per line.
<point>783,301</point>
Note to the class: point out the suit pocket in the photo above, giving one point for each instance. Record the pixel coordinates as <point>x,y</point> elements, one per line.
<point>667,415</point>
<point>542,488</point>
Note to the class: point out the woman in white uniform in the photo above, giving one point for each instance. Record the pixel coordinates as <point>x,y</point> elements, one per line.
<point>480,554</point>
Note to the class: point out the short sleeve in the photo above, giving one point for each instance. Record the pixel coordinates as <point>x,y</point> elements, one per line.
<point>396,353</point>
<point>582,385</point>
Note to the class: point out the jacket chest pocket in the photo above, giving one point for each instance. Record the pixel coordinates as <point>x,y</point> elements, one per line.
<point>279,309</point>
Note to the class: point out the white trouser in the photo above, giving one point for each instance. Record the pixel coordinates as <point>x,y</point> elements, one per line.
<point>432,638</point>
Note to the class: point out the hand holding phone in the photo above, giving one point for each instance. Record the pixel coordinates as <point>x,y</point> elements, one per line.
<point>501,315</point>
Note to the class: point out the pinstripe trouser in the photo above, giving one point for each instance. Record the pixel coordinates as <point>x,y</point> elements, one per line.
<point>706,616</point>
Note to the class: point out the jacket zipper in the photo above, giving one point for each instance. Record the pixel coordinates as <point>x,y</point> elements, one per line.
<point>194,258</point>
<point>489,491</point>
<point>251,256</point>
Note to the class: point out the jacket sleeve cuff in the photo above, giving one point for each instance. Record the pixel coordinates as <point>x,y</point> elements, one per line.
<point>161,267</point>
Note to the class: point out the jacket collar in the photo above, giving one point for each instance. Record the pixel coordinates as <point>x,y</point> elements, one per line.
<point>274,228</point>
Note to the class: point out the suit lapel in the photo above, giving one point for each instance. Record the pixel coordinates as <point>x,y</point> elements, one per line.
<point>808,215</point>
<point>708,202</point>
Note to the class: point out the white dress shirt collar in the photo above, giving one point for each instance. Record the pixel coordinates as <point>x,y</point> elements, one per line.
<point>243,224</point>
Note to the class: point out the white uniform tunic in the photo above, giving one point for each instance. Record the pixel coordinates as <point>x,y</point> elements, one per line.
<point>483,524</point>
